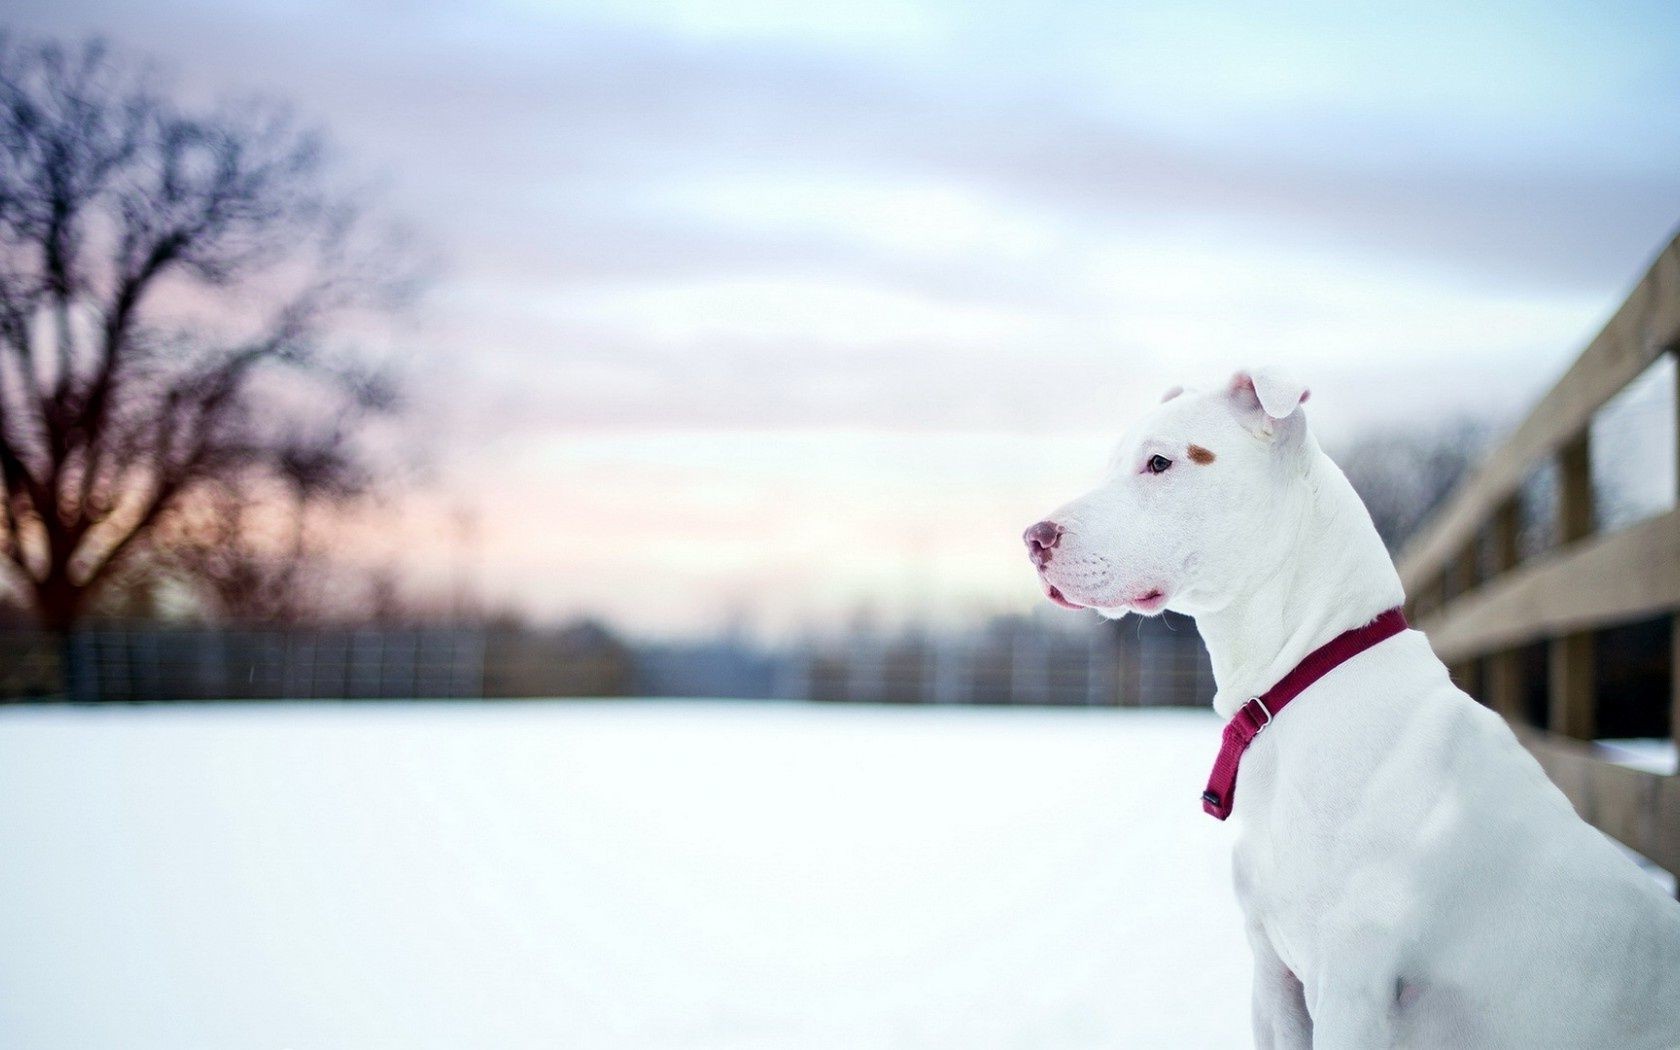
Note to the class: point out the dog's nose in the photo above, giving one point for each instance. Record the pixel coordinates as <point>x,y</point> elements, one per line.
<point>1041,539</point>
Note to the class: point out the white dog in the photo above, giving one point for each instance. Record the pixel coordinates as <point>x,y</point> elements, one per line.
<point>1409,876</point>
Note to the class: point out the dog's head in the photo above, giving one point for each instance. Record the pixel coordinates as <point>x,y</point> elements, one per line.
<point>1184,518</point>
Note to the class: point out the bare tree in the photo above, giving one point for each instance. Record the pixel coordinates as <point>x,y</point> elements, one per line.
<point>168,279</point>
<point>1405,475</point>
<point>248,555</point>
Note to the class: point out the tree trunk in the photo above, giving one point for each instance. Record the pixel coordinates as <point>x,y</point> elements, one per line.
<point>58,604</point>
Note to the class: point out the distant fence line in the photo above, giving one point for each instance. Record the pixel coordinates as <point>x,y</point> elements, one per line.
<point>1024,662</point>
<point>145,663</point>
<point>1145,665</point>
<point>208,664</point>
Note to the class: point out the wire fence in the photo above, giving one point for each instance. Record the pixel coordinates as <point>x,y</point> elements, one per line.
<point>226,664</point>
<point>1106,666</point>
<point>1154,663</point>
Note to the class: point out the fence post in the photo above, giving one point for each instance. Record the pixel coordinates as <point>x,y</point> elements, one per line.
<point>480,646</point>
<point>1505,686</point>
<point>1093,668</point>
<point>1129,655</point>
<point>1674,617</point>
<point>72,669</point>
<point>1461,580</point>
<point>1570,670</point>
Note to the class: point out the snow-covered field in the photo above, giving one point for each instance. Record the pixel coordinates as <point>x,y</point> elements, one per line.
<point>635,875</point>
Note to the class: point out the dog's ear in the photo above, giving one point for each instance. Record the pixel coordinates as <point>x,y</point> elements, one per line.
<point>1266,396</point>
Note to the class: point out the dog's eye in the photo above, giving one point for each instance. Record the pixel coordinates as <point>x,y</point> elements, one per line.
<point>1157,464</point>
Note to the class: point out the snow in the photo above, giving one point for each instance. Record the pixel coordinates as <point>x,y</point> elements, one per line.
<point>1648,753</point>
<point>613,875</point>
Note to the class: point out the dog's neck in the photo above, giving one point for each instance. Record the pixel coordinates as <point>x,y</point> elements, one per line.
<point>1333,574</point>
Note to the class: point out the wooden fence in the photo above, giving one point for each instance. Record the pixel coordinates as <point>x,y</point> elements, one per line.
<point>1521,633</point>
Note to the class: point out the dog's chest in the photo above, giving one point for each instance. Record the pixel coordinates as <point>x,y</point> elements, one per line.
<point>1282,868</point>
<point>1316,814</point>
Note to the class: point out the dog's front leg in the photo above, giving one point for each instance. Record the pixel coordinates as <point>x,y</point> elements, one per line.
<point>1354,1005</point>
<point>1352,1023</point>
<point>1281,1021</point>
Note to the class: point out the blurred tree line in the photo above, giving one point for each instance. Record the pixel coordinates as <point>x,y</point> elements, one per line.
<point>1405,474</point>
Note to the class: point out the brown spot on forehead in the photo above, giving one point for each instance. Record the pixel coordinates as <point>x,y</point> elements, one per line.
<point>1200,455</point>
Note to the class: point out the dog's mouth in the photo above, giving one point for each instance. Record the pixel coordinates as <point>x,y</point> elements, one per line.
<point>1150,601</point>
<point>1056,596</point>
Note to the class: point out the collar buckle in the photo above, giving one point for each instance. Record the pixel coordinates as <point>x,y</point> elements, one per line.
<point>1261,704</point>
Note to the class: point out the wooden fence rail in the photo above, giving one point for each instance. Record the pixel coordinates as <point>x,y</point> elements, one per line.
<point>1481,605</point>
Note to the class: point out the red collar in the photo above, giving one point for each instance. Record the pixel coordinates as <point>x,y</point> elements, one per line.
<point>1257,712</point>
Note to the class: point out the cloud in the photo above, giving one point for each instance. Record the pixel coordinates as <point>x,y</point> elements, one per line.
<point>522,127</point>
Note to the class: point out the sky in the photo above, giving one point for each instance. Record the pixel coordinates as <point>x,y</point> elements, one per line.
<point>773,316</point>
